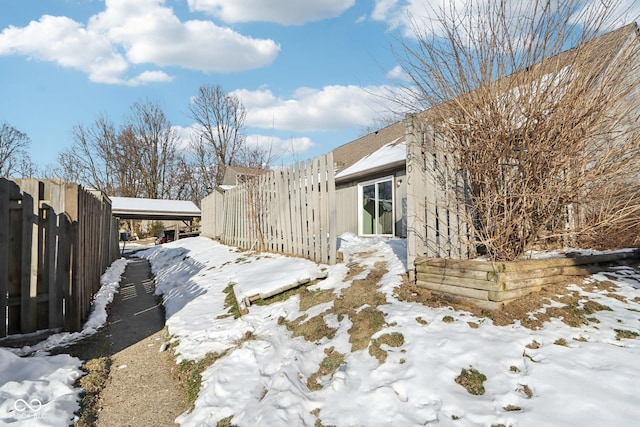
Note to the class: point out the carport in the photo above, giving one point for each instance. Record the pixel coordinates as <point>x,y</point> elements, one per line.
<point>156,210</point>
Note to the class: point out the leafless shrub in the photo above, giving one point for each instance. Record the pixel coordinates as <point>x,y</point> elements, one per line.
<point>544,137</point>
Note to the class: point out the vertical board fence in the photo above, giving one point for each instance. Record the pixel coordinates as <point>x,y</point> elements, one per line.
<point>291,210</point>
<point>437,220</point>
<point>56,239</point>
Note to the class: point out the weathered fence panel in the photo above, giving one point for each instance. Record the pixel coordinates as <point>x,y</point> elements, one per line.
<point>212,221</point>
<point>289,210</point>
<point>437,221</point>
<point>56,239</point>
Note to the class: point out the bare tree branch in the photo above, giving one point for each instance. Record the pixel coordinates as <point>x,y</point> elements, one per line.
<point>540,133</point>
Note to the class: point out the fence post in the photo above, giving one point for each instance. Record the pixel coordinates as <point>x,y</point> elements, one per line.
<point>416,191</point>
<point>54,232</point>
<point>31,191</point>
<point>333,215</point>
<point>5,200</point>
<point>72,301</point>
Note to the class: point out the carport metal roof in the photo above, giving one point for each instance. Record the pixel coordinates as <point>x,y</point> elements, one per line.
<point>154,209</point>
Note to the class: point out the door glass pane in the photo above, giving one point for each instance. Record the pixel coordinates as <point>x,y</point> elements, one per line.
<point>368,208</point>
<point>385,208</point>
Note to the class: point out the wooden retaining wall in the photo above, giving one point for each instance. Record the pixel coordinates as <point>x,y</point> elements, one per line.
<point>491,285</point>
<point>56,239</point>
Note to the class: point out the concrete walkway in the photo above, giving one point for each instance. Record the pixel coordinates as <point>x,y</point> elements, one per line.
<point>140,390</point>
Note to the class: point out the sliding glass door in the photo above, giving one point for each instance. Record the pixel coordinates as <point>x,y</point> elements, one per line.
<point>376,207</point>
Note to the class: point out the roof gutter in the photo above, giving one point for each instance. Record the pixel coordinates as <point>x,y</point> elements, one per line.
<point>389,167</point>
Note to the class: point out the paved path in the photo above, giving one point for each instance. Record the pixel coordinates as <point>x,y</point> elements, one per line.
<point>140,390</point>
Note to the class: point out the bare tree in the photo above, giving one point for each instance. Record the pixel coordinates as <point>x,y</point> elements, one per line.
<point>140,159</point>
<point>541,135</point>
<point>218,140</point>
<point>154,149</point>
<point>91,159</point>
<point>14,158</point>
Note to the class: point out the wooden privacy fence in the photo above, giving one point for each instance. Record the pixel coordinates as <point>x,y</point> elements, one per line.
<point>437,222</point>
<point>291,210</point>
<point>56,239</point>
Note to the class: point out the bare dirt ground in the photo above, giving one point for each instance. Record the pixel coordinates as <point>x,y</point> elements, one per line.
<point>140,389</point>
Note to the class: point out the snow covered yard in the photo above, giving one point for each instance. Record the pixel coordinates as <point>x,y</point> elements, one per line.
<point>363,347</point>
<point>354,349</point>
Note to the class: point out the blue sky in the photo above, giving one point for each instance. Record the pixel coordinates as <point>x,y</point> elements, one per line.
<point>310,73</point>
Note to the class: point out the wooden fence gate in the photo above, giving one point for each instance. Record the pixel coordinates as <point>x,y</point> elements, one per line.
<point>56,239</point>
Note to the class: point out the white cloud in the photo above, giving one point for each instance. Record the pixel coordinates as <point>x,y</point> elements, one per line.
<point>397,73</point>
<point>278,147</point>
<point>284,12</point>
<point>398,14</point>
<point>65,42</point>
<point>154,34</point>
<point>136,32</point>
<point>184,135</point>
<point>332,108</point>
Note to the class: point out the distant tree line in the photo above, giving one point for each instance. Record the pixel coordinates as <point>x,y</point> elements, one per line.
<point>144,156</point>
<point>14,155</point>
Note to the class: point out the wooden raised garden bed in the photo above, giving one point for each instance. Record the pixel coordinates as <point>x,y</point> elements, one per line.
<point>492,284</point>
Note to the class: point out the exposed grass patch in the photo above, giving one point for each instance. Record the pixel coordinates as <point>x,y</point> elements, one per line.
<point>225,422</point>
<point>92,384</point>
<point>312,329</point>
<point>394,339</point>
<point>283,296</point>
<point>368,320</point>
<point>591,307</point>
<point>310,299</point>
<point>562,342</point>
<point>448,319</point>
<point>365,323</point>
<point>359,302</point>
<point>318,423</point>
<point>472,380</point>
<point>533,345</point>
<point>525,390</point>
<point>514,369</point>
<point>189,373</point>
<point>97,373</point>
<point>421,321</point>
<point>354,270</point>
<point>576,312</point>
<point>328,366</point>
<point>511,408</point>
<point>94,350</point>
<point>231,302</point>
<point>622,333</point>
